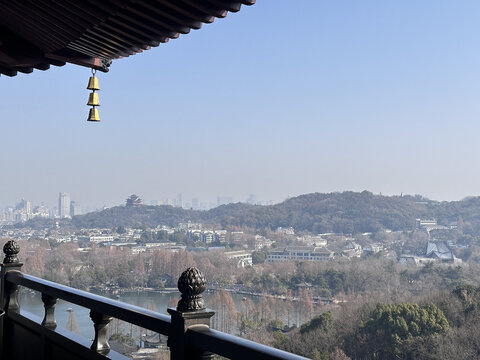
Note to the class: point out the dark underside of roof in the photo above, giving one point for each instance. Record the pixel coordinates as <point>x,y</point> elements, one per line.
<point>35,34</point>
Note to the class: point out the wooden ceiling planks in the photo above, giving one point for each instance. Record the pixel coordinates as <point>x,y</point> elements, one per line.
<point>40,33</point>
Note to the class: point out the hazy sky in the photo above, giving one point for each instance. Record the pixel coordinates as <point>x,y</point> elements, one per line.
<point>282,98</point>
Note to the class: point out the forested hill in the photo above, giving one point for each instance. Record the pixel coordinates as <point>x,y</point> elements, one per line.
<point>347,212</point>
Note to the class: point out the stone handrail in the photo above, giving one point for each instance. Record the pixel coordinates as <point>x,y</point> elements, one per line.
<point>187,326</point>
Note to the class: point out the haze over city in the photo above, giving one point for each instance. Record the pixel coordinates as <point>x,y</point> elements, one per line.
<point>296,181</point>
<point>311,96</point>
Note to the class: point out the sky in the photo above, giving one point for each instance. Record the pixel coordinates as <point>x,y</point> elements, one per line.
<point>280,99</point>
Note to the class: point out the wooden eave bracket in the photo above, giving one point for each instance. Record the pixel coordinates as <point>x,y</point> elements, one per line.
<point>76,58</point>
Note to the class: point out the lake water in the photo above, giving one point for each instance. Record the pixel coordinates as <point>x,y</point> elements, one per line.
<point>157,301</point>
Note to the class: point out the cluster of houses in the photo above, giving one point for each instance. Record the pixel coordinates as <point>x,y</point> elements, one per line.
<point>435,252</point>
<point>321,247</point>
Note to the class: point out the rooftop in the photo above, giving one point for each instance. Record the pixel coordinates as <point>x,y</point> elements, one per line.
<point>37,34</point>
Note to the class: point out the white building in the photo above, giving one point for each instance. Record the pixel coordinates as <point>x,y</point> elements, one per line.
<point>64,205</point>
<point>101,238</point>
<point>75,208</point>
<point>244,258</point>
<point>352,250</point>
<point>316,240</point>
<point>429,225</point>
<point>208,237</point>
<point>261,242</point>
<point>287,231</point>
<point>373,248</point>
<point>189,226</point>
<point>305,253</point>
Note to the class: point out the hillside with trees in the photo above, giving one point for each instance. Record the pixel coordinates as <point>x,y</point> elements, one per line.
<point>380,309</point>
<point>347,212</point>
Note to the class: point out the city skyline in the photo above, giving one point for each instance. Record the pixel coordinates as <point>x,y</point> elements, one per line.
<point>23,210</point>
<point>195,203</point>
<point>367,96</point>
<point>52,208</point>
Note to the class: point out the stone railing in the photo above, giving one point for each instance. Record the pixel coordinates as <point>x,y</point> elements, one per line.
<point>26,336</point>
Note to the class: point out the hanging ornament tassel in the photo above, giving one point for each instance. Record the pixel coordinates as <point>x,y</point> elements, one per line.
<point>93,100</point>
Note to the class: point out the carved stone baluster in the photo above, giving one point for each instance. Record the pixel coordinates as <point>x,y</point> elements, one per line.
<point>100,323</point>
<point>8,296</point>
<point>190,311</point>
<point>49,303</point>
<point>11,263</point>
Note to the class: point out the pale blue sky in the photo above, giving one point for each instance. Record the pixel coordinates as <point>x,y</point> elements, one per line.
<point>282,98</point>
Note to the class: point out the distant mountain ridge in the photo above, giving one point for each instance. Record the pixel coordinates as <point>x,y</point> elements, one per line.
<point>341,212</point>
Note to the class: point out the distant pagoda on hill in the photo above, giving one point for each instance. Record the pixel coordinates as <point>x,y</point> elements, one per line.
<point>133,200</point>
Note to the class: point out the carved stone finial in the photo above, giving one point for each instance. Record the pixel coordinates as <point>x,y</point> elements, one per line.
<point>11,249</point>
<point>191,284</point>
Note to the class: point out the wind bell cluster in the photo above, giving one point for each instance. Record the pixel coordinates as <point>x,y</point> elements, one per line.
<point>93,97</point>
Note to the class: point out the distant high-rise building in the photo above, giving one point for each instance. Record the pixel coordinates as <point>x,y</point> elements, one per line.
<point>75,208</point>
<point>179,200</point>
<point>64,205</point>
<point>28,207</point>
<point>25,206</point>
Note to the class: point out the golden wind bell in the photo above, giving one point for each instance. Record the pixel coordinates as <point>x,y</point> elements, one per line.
<point>93,100</point>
